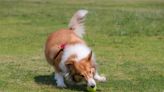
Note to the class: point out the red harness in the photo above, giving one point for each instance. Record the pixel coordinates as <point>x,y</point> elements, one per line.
<point>62,46</point>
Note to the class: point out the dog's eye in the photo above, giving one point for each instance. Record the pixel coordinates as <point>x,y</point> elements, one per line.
<point>82,76</point>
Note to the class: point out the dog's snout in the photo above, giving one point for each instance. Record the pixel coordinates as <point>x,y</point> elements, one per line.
<point>91,83</point>
<point>92,86</point>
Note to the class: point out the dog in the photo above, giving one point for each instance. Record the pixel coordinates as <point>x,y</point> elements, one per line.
<point>69,54</point>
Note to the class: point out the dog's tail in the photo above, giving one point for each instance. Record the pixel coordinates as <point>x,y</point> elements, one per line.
<point>77,22</point>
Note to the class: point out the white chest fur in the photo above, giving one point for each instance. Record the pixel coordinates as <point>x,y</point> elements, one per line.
<point>80,50</point>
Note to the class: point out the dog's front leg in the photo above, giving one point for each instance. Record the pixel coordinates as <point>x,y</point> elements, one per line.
<point>60,80</point>
<point>99,78</point>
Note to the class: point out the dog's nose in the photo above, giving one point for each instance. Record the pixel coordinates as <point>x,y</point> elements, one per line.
<point>92,86</point>
<point>91,83</point>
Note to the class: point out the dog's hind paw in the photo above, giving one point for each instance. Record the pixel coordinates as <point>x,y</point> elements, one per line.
<point>100,78</point>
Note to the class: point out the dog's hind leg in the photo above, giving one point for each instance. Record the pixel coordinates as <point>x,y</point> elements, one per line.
<point>99,78</point>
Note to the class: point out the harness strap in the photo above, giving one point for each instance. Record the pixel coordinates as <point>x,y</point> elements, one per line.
<point>62,48</point>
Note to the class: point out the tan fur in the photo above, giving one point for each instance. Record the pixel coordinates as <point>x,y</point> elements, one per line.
<point>53,43</point>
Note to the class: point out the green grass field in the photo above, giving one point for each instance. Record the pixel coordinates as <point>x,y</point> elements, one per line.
<point>126,35</point>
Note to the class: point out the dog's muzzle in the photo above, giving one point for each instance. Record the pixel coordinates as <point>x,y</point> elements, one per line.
<point>91,83</point>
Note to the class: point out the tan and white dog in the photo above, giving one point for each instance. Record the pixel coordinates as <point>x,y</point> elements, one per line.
<point>68,53</point>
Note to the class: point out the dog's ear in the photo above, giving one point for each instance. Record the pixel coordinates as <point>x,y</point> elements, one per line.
<point>90,56</point>
<point>70,62</point>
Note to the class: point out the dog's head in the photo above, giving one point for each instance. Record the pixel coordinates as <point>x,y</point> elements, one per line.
<point>82,70</point>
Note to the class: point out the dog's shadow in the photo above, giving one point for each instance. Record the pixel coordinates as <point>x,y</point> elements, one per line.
<point>45,79</point>
<point>49,80</point>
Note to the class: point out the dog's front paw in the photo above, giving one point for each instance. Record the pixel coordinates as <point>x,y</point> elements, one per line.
<point>61,85</point>
<point>59,80</point>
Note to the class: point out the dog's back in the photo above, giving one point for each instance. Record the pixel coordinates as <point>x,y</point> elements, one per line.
<point>58,39</point>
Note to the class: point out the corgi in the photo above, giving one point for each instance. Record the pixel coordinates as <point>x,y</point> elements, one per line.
<point>69,54</point>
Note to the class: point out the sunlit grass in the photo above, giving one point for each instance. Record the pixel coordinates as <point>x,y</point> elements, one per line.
<point>126,35</point>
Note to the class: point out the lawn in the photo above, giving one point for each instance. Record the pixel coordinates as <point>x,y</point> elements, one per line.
<point>127,37</point>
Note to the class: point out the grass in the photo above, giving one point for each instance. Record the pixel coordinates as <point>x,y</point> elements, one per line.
<point>126,35</point>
